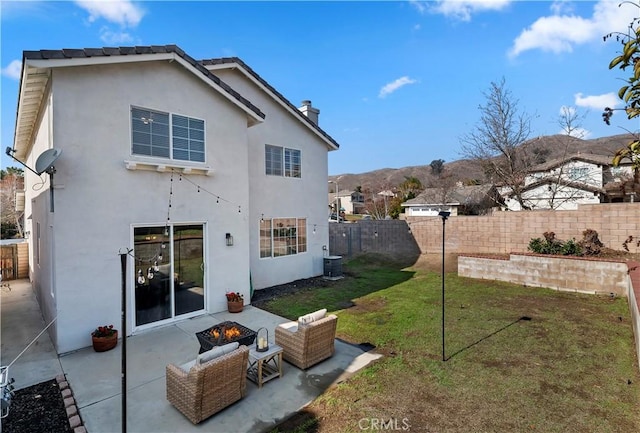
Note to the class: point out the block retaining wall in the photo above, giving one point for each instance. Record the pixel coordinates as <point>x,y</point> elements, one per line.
<point>559,273</point>
<point>592,276</point>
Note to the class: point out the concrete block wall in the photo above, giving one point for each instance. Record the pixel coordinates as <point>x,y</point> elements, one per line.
<point>504,232</point>
<point>560,273</point>
<point>383,236</point>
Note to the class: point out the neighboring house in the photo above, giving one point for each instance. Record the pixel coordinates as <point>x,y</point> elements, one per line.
<point>205,176</point>
<point>349,202</point>
<point>564,183</point>
<point>459,200</point>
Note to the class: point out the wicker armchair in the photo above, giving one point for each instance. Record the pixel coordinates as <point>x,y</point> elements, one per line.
<point>307,345</point>
<point>208,388</point>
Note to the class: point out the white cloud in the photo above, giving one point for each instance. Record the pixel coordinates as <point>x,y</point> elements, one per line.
<point>114,38</point>
<point>597,102</point>
<point>123,12</point>
<point>561,6</point>
<point>391,87</point>
<point>559,33</point>
<point>420,6</point>
<point>581,133</point>
<point>463,9</point>
<point>14,70</point>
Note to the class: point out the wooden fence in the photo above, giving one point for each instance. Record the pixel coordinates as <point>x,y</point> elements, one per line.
<point>14,261</point>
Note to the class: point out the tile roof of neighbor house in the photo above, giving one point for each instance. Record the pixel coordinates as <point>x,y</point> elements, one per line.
<point>137,50</point>
<point>553,181</point>
<point>469,194</point>
<point>239,62</point>
<point>593,158</point>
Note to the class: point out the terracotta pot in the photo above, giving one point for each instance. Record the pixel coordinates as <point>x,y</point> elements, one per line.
<point>235,306</point>
<point>102,344</point>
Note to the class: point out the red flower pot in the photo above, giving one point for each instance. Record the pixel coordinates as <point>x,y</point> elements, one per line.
<point>102,344</point>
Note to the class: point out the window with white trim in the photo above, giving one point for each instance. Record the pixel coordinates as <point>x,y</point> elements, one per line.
<point>164,135</point>
<point>282,161</point>
<point>283,237</point>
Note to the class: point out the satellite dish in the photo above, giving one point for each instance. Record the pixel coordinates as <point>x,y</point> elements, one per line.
<point>46,159</point>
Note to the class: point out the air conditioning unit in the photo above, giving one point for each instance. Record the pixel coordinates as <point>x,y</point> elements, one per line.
<point>333,267</point>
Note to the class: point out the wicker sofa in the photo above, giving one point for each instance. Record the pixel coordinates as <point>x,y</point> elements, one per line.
<point>209,387</point>
<point>307,345</point>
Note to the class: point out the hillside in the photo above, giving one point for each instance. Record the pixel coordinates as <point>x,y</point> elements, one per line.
<point>553,146</point>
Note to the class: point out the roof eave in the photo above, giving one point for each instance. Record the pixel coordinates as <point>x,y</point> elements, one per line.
<point>234,63</point>
<point>36,72</point>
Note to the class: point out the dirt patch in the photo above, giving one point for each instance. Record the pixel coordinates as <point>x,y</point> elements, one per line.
<point>261,297</point>
<point>37,409</point>
<point>433,262</point>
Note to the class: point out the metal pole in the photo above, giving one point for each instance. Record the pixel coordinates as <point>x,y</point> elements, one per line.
<point>444,215</point>
<point>337,203</point>
<point>443,224</point>
<point>123,266</point>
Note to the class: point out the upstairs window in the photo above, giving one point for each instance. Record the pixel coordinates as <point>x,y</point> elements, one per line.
<point>579,173</point>
<point>282,161</point>
<point>164,135</point>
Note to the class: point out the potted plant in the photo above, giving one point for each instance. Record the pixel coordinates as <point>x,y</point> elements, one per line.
<point>104,338</point>
<point>235,302</point>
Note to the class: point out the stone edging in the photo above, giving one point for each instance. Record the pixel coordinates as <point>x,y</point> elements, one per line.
<point>75,421</point>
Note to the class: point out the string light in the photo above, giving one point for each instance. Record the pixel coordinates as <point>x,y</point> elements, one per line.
<point>200,188</point>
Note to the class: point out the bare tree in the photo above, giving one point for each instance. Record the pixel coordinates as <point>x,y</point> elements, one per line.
<point>564,187</point>
<point>498,142</point>
<point>12,182</point>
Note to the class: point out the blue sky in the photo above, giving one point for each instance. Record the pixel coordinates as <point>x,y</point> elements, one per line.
<point>397,82</point>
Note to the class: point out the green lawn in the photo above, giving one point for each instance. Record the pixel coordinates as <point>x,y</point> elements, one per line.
<point>570,368</point>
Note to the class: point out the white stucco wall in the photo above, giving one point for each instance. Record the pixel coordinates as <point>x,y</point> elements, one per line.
<point>39,221</point>
<point>565,198</point>
<point>97,200</point>
<point>281,197</point>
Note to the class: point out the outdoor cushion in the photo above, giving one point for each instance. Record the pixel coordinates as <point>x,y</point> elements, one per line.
<point>312,317</point>
<point>216,352</point>
<point>187,365</point>
<point>289,326</point>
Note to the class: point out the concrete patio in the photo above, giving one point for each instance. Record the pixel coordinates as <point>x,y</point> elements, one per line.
<point>95,378</point>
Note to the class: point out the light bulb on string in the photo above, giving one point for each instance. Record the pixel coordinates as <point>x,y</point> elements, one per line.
<point>141,279</point>
<point>149,274</point>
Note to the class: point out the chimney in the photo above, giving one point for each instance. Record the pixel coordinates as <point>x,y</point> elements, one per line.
<point>309,111</point>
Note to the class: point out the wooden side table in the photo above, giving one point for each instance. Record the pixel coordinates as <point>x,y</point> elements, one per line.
<point>264,366</point>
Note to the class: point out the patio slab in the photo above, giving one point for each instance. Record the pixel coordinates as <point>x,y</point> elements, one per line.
<point>95,378</point>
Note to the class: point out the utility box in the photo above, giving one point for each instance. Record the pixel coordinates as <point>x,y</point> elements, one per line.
<point>333,267</point>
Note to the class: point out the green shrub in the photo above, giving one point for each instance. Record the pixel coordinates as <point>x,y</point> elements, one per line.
<point>551,245</point>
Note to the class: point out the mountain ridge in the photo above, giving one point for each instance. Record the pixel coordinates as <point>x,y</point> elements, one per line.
<point>551,146</point>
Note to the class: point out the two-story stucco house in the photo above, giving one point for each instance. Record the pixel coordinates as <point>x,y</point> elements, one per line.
<point>347,201</point>
<point>201,171</point>
<point>564,183</point>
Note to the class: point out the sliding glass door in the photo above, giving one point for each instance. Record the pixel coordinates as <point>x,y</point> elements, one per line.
<point>169,271</point>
